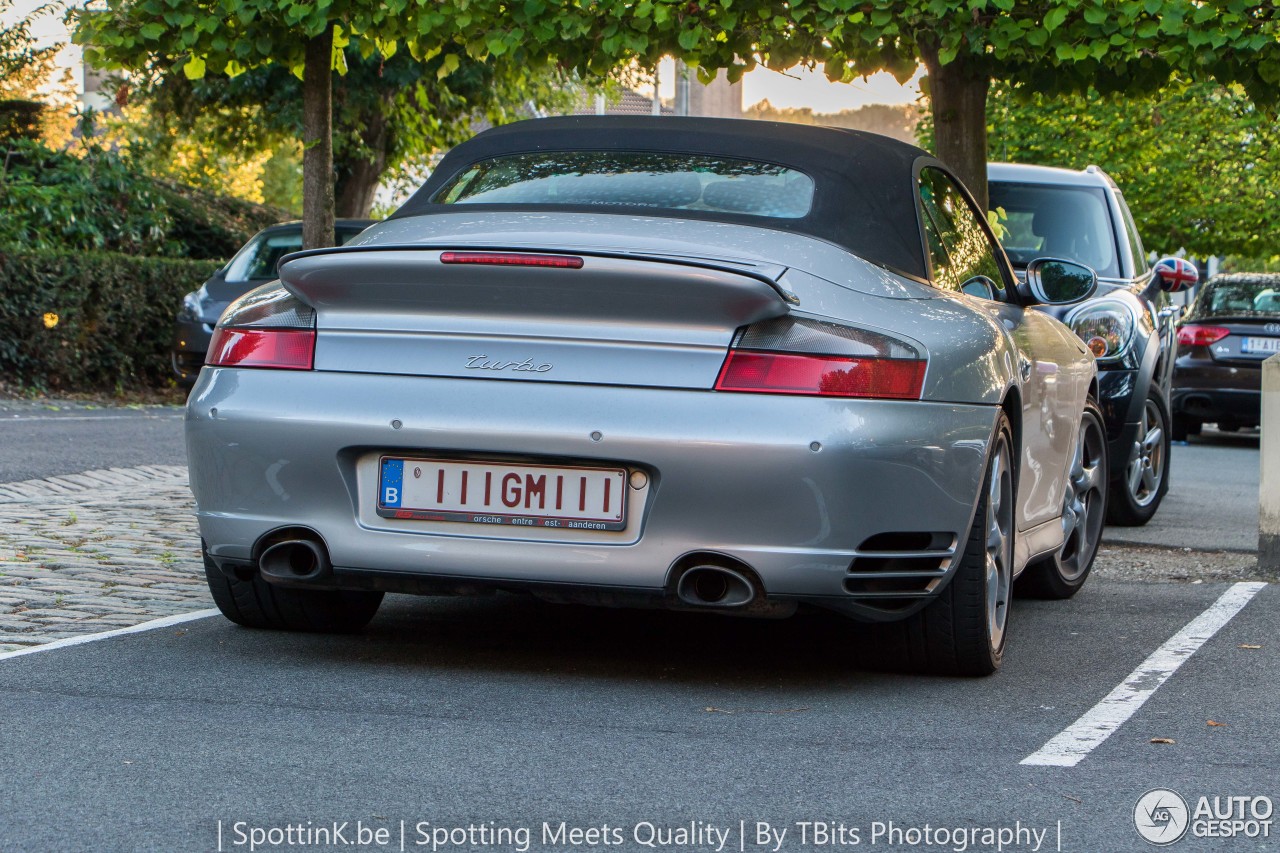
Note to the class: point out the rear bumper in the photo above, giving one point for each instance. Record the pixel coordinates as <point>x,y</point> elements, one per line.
<point>729,474</point>
<point>1219,404</point>
<point>1217,392</point>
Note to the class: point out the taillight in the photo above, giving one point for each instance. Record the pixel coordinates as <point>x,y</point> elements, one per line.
<point>286,349</point>
<point>810,357</point>
<point>267,327</point>
<point>512,259</point>
<point>1192,335</point>
<point>822,375</point>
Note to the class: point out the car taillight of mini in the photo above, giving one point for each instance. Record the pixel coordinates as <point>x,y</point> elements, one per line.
<point>1192,335</point>
<point>282,349</point>
<point>821,375</point>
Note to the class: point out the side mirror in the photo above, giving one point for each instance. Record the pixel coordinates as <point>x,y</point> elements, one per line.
<point>1052,281</point>
<point>1176,274</point>
<point>979,286</point>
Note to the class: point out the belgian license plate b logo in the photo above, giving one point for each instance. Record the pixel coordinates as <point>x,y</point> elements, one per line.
<point>392,482</point>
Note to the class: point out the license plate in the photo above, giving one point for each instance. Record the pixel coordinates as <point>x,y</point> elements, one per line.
<point>1262,344</point>
<point>519,495</point>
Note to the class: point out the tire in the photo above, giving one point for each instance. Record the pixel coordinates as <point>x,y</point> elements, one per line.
<point>254,603</point>
<point>1184,426</point>
<point>964,630</point>
<point>1137,493</point>
<point>1084,507</point>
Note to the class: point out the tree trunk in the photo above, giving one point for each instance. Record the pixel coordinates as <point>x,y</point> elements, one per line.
<point>958,101</point>
<point>317,142</point>
<point>358,176</point>
<point>357,184</point>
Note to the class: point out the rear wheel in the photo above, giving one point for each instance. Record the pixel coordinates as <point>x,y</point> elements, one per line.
<point>1063,573</point>
<point>254,603</point>
<point>1136,496</point>
<point>963,631</point>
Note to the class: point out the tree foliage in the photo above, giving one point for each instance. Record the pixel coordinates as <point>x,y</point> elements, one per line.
<point>35,101</point>
<point>1115,45</point>
<point>1051,46</point>
<point>24,66</point>
<point>98,200</point>
<point>387,113</point>
<point>1195,161</point>
<point>309,40</point>
<point>180,151</point>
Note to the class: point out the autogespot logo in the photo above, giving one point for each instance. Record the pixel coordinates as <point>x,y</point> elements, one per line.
<point>1161,816</point>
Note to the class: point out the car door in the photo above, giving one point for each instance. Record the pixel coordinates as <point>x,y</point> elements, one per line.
<point>1048,372</point>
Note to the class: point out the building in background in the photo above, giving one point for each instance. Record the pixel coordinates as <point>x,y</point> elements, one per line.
<point>717,99</point>
<point>92,96</point>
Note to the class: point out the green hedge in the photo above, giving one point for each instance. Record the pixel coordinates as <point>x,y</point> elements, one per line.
<point>52,201</point>
<point>114,318</point>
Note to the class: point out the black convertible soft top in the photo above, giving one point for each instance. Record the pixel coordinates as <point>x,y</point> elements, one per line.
<point>865,184</point>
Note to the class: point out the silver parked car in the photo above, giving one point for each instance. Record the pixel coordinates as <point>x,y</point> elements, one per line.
<point>728,366</point>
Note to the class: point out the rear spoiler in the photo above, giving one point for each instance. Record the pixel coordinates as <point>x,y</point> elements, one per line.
<point>348,286</point>
<point>750,271</point>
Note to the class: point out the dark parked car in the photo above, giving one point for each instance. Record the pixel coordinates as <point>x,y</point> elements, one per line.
<point>1128,324</point>
<point>1232,327</point>
<point>253,265</point>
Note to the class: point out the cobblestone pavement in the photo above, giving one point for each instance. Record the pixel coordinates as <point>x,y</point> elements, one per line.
<point>90,552</point>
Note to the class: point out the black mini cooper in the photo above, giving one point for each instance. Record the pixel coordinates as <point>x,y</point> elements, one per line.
<point>1128,324</point>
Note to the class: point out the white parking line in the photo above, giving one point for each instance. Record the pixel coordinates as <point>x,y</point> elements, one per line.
<point>1069,747</point>
<point>106,635</point>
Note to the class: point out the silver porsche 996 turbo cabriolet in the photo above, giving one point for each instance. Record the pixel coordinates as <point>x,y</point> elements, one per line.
<point>719,365</point>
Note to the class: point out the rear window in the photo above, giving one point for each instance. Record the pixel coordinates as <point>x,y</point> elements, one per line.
<point>634,179</point>
<point>1255,296</point>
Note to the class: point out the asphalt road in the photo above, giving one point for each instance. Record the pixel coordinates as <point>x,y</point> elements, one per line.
<point>38,441</point>
<point>1212,503</point>
<point>508,713</point>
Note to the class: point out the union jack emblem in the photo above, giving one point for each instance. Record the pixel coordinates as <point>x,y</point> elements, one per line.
<point>1178,270</point>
